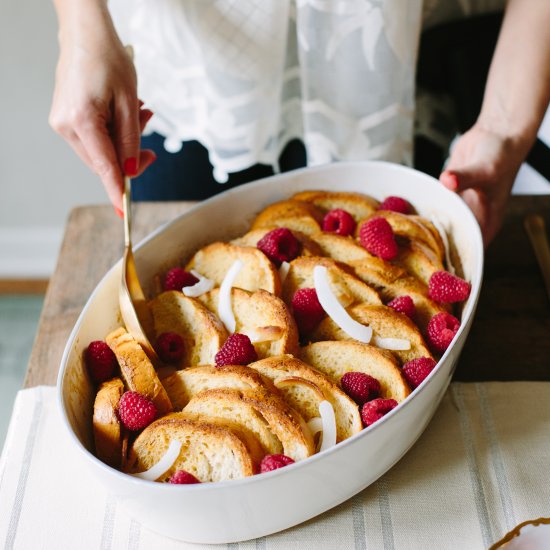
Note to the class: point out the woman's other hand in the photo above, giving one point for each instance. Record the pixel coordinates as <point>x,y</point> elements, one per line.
<point>482,168</point>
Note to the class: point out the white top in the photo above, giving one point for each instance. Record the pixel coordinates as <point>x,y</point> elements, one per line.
<point>244,77</point>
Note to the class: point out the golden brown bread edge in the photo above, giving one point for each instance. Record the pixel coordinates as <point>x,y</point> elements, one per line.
<point>137,370</point>
<point>106,425</point>
<point>262,316</point>
<point>210,451</point>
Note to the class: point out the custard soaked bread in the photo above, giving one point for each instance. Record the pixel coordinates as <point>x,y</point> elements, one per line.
<point>385,323</point>
<point>186,383</point>
<point>209,451</point>
<point>308,246</point>
<point>299,215</point>
<point>106,425</point>
<point>214,260</point>
<point>288,374</point>
<point>137,370</point>
<point>337,358</point>
<point>347,287</point>
<point>264,317</point>
<point>279,428</point>
<point>358,205</point>
<point>202,332</point>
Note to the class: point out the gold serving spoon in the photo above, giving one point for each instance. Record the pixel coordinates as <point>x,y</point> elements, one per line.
<point>133,305</point>
<point>536,229</point>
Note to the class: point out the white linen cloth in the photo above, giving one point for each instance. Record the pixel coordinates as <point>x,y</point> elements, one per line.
<point>244,77</point>
<point>480,468</point>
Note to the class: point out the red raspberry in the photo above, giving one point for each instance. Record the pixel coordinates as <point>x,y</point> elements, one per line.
<point>360,387</point>
<point>339,221</point>
<point>177,278</point>
<point>396,204</point>
<point>377,408</point>
<point>416,370</point>
<point>237,350</point>
<point>404,304</point>
<point>307,310</point>
<point>273,462</point>
<point>441,330</point>
<point>100,360</point>
<point>279,245</point>
<point>136,411</point>
<point>376,236</point>
<point>170,347</point>
<point>181,477</point>
<point>446,288</point>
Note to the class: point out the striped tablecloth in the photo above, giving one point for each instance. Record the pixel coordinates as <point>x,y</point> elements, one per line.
<point>479,469</point>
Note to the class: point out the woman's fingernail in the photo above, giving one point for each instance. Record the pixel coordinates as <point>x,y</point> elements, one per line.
<point>451,180</point>
<point>130,166</point>
<point>119,212</point>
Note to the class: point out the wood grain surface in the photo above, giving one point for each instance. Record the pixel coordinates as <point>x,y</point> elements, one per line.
<point>509,340</point>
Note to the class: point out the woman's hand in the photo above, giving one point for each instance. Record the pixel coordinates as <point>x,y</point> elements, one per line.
<point>482,168</point>
<point>96,109</point>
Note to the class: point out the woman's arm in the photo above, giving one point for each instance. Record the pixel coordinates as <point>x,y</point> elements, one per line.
<point>486,159</point>
<point>95,105</point>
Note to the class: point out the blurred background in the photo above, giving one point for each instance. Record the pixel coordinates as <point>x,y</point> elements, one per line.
<point>41,180</point>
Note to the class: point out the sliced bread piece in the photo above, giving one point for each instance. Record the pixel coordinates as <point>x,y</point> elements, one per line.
<point>289,373</point>
<point>210,451</point>
<point>265,318</point>
<point>302,216</point>
<point>409,227</point>
<point>137,370</point>
<point>339,248</point>
<point>202,332</point>
<point>418,259</point>
<point>358,205</point>
<point>214,260</point>
<point>345,285</point>
<point>394,282</point>
<point>279,428</point>
<point>308,246</point>
<point>106,425</point>
<point>335,358</point>
<point>385,323</point>
<point>186,383</point>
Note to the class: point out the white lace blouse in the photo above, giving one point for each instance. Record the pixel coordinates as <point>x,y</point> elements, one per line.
<point>244,77</point>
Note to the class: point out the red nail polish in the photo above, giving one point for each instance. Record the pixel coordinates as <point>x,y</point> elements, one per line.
<point>130,166</point>
<point>119,212</point>
<point>453,180</point>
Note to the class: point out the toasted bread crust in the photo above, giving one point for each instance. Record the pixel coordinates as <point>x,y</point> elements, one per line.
<point>395,282</point>
<point>335,358</point>
<point>137,370</point>
<point>278,427</point>
<point>410,227</point>
<point>419,260</point>
<point>308,246</point>
<point>385,323</point>
<point>299,215</point>
<point>184,384</point>
<point>260,315</point>
<point>106,425</point>
<point>345,285</point>
<point>202,332</point>
<point>358,205</point>
<point>210,451</point>
<point>281,368</point>
<point>258,272</point>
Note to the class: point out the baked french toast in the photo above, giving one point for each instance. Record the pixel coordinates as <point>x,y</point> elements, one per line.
<point>280,343</point>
